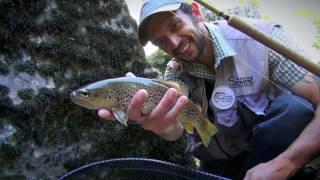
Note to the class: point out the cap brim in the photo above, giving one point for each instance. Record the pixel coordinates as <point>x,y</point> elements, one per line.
<point>142,36</point>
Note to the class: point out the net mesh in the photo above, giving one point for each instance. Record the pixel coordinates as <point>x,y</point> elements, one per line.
<point>137,169</point>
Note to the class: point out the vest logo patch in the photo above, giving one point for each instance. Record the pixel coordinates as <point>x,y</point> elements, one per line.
<point>223,97</point>
<point>241,82</point>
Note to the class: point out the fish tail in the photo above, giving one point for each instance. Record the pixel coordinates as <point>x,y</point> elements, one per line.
<point>206,130</point>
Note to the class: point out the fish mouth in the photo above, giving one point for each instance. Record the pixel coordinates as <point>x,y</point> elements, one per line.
<point>81,102</point>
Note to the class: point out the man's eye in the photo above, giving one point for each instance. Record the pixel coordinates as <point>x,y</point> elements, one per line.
<point>175,26</point>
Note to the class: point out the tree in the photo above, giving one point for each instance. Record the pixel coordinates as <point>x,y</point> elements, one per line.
<point>159,60</point>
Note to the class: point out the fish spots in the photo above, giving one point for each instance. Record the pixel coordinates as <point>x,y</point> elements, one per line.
<point>109,93</point>
<point>118,92</point>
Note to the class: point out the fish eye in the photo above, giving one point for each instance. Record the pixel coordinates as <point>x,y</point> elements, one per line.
<point>84,93</point>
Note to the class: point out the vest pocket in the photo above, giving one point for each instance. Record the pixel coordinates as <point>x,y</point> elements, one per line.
<point>227,118</point>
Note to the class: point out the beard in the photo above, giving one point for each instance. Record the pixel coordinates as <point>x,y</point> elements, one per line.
<point>199,41</point>
<point>201,44</point>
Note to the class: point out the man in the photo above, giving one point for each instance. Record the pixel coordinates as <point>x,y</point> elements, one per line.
<point>265,107</point>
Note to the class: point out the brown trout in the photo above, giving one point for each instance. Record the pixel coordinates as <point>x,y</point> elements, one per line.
<point>115,95</point>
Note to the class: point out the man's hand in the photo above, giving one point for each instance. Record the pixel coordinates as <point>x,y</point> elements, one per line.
<point>137,101</point>
<point>162,120</point>
<point>276,169</point>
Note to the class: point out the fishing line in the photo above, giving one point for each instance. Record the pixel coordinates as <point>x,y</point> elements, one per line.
<point>259,73</point>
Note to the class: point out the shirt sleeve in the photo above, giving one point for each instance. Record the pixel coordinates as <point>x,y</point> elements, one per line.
<point>282,70</point>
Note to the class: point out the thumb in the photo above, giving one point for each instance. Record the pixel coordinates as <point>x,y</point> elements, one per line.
<point>130,74</point>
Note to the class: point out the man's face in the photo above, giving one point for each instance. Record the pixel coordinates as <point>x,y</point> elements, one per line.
<point>177,34</point>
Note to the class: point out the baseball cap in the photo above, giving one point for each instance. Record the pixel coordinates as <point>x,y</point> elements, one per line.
<point>151,7</point>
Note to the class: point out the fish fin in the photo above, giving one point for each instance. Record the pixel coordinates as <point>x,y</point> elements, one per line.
<point>206,130</point>
<point>170,84</point>
<point>188,127</point>
<point>120,116</point>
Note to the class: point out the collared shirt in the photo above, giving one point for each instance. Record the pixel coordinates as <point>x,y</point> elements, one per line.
<point>282,71</point>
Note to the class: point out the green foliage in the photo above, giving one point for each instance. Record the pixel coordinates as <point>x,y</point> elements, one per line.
<point>256,3</point>
<point>266,17</point>
<point>316,22</point>
<point>240,1</point>
<point>159,60</point>
<point>304,13</point>
<point>316,44</point>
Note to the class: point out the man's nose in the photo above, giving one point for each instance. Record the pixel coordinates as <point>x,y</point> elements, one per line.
<point>174,41</point>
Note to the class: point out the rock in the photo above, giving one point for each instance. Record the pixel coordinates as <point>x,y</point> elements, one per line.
<point>48,49</point>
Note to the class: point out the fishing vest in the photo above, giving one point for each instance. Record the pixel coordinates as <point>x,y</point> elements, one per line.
<point>240,81</point>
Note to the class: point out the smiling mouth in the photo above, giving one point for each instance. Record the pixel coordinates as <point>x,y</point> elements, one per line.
<point>184,48</point>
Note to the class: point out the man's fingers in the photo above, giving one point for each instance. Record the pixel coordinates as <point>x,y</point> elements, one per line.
<point>105,114</point>
<point>165,104</point>
<point>178,107</point>
<point>165,114</point>
<point>130,74</point>
<point>136,104</point>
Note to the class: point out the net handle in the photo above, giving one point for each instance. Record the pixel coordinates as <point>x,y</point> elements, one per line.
<point>263,38</point>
